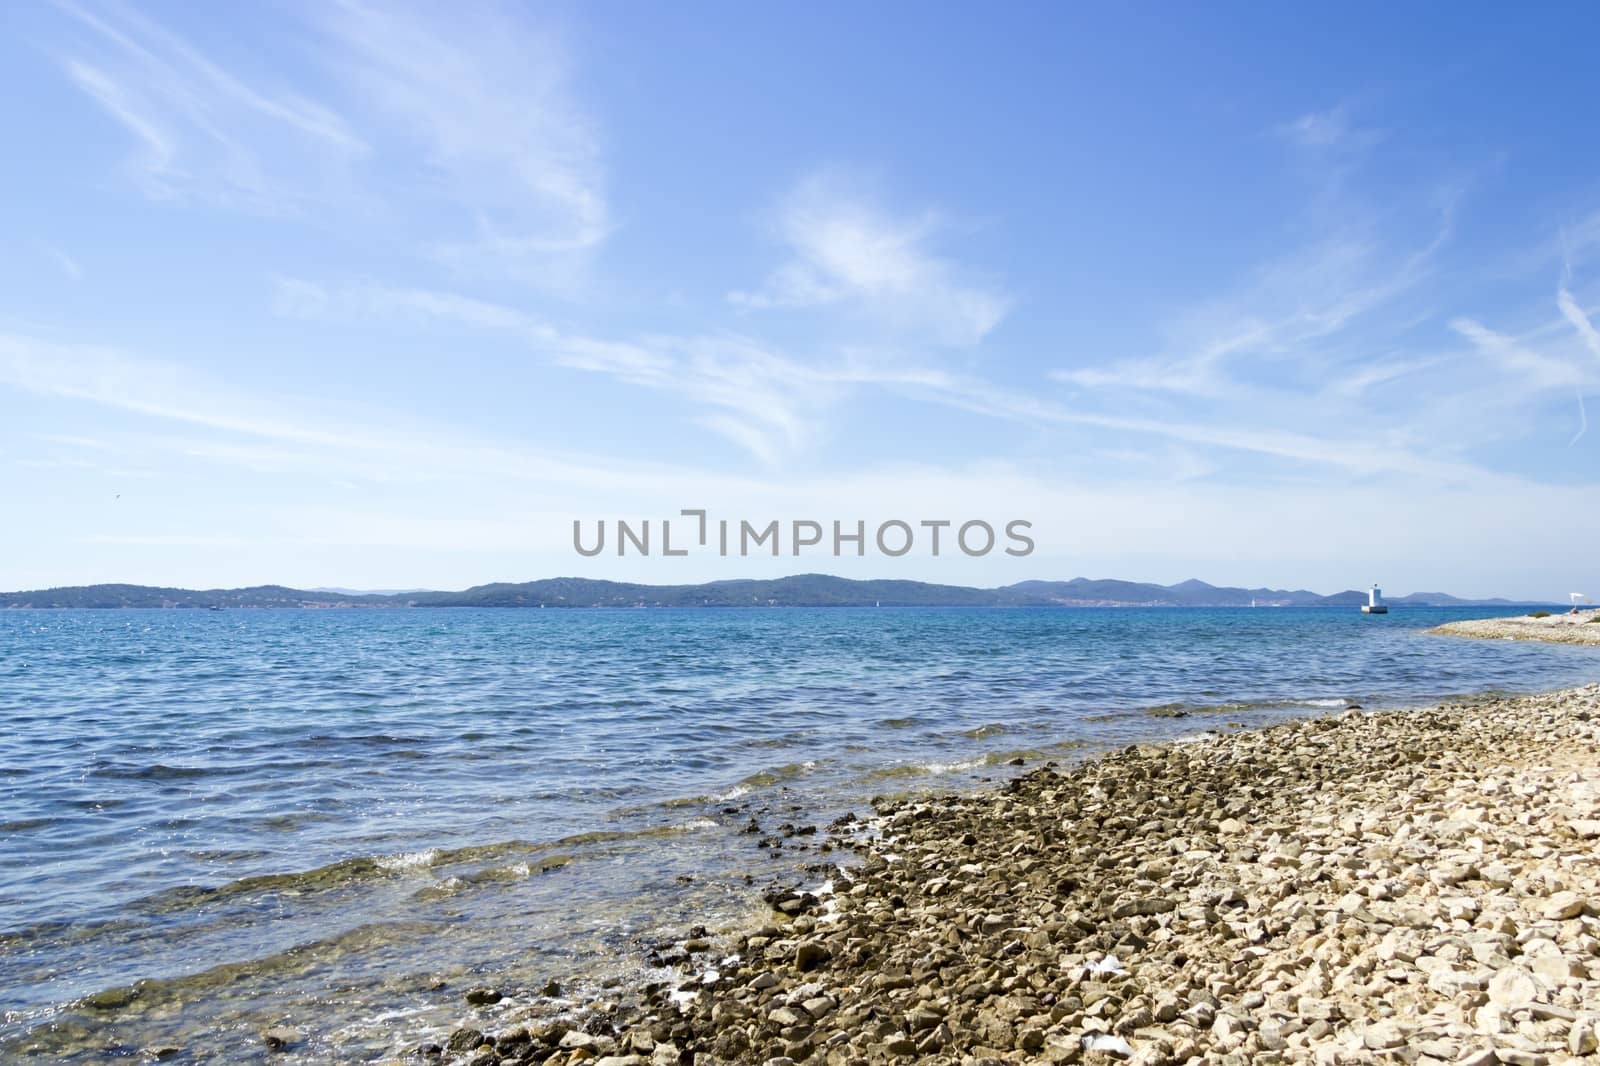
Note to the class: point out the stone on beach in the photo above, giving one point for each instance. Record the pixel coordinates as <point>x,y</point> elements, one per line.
<point>1583,628</point>
<point>1565,905</point>
<point>1513,988</point>
<point>1413,886</point>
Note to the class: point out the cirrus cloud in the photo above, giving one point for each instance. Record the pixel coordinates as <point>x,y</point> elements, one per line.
<point>849,252</point>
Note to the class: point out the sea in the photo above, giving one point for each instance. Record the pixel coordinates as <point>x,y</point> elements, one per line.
<point>341,821</point>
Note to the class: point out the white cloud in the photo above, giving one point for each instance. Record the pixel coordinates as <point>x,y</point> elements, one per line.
<point>851,253</point>
<point>772,405</point>
<point>468,129</point>
<point>1328,149</point>
<point>503,500</point>
<point>202,132</point>
<point>153,168</point>
<point>1360,380</point>
<point>763,402</point>
<point>1527,368</point>
<point>1349,345</point>
<point>486,103</point>
<point>162,540</point>
<point>1574,314</point>
<point>101,375</point>
<point>1580,321</point>
<point>1354,451</point>
<point>316,441</point>
<point>69,266</point>
<point>1318,129</point>
<point>90,443</point>
<point>363,301</point>
<point>1289,314</point>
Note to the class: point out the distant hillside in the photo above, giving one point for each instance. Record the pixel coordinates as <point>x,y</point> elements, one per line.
<point>147,596</point>
<point>802,590</point>
<point>1350,598</point>
<point>1444,599</point>
<point>810,590</point>
<point>1192,593</point>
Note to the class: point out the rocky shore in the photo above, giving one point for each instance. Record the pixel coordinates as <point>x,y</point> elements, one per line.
<point>1417,887</point>
<point>1563,628</point>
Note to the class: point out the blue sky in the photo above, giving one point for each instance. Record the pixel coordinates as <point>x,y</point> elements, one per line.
<point>385,296</point>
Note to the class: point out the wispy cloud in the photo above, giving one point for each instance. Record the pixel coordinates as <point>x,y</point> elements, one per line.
<point>1330,130</point>
<point>1328,346</point>
<point>463,122</point>
<point>847,251</point>
<point>163,540</point>
<point>1350,450</point>
<point>1575,314</point>
<point>763,402</point>
<point>1328,149</point>
<point>1283,316</point>
<point>1355,383</point>
<point>484,103</point>
<point>1511,384</point>
<point>287,445</point>
<point>1339,359</point>
<point>1318,129</point>
<point>101,375</point>
<point>153,167</point>
<point>1580,321</point>
<point>363,301</point>
<point>772,404</point>
<point>201,131</point>
<point>1525,367</point>
<point>253,431</point>
<point>90,443</point>
<point>69,266</point>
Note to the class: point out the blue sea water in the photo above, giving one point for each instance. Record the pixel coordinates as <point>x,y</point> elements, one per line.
<point>341,819</point>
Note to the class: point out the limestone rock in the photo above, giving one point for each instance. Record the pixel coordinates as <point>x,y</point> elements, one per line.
<point>1511,988</point>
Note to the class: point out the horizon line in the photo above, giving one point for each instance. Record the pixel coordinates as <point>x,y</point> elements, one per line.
<point>396,594</point>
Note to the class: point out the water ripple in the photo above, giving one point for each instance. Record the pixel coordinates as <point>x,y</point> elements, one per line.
<point>185,792</point>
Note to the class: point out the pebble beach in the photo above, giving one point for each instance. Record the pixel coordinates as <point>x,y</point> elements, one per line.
<point>1417,886</point>
<point>231,872</point>
<point>1565,628</point>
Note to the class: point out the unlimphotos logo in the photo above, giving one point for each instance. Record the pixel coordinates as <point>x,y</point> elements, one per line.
<point>892,538</point>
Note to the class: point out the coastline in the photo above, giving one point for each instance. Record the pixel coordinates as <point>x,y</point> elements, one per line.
<point>664,843</point>
<point>1330,890</point>
<point>1563,628</point>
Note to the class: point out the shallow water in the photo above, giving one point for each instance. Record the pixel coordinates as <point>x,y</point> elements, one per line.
<point>340,820</point>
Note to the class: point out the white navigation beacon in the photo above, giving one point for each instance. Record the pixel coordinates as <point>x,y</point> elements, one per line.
<point>1374,604</point>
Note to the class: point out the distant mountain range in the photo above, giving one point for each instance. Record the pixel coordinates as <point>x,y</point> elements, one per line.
<point>803,590</point>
